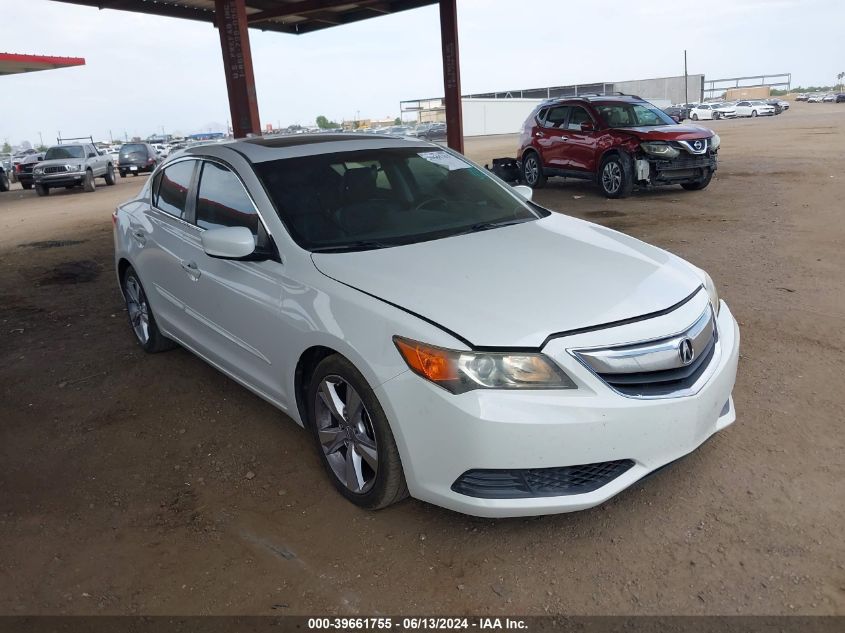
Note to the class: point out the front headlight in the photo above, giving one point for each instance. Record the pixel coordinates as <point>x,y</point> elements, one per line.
<point>663,150</point>
<point>38,170</point>
<point>715,141</point>
<point>459,372</point>
<point>710,287</point>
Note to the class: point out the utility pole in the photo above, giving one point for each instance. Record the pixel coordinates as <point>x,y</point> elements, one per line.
<point>41,138</point>
<point>686,81</point>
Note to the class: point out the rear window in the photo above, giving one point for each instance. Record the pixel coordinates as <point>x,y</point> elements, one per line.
<point>133,148</point>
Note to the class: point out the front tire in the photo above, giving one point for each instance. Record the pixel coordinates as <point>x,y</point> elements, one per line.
<point>754,113</point>
<point>109,177</point>
<point>717,116</point>
<point>88,182</point>
<point>532,170</point>
<point>26,185</point>
<point>41,190</point>
<point>141,318</point>
<point>616,176</point>
<point>698,184</point>
<point>694,116</point>
<point>353,436</point>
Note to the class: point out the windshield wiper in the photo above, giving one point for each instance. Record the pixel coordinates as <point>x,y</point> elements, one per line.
<point>361,245</point>
<point>486,226</point>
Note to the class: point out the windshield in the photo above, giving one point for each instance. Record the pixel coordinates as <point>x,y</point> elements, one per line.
<point>65,151</point>
<point>385,197</point>
<point>632,115</point>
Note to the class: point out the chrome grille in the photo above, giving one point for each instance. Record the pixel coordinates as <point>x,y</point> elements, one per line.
<point>55,169</point>
<point>669,367</point>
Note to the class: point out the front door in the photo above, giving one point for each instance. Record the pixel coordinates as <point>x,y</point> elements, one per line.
<point>581,145</point>
<point>235,305</point>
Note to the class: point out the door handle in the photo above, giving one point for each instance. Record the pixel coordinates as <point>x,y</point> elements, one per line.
<point>563,138</point>
<point>139,237</point>
<point>191,268</point>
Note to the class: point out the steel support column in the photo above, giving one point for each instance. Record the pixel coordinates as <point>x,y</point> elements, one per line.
<point>230,18</point>
<point>451,74</point>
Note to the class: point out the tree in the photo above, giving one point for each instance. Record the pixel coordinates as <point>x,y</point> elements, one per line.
<point>839,78</point>
<point>324,124</point>
<point>397,121</point>
<point>7,149</point>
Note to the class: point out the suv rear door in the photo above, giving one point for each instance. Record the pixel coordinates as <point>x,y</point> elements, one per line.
<point>551,137</point>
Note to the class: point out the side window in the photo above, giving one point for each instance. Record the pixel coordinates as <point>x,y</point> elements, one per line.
<point>541,115</point>
<point>579,115</point>
<point>171,191</point>
<point>222,201</point>
<point>556,116</point>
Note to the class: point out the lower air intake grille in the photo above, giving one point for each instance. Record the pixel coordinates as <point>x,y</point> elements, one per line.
<point>525,483</point>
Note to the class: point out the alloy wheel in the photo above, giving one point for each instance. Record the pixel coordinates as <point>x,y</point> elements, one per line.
<point>139,311</point>
<point>346,435</point>
<point>611,177</point>
<point>532,170</point>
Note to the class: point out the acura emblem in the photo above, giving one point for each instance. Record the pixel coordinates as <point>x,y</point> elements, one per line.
<point>686,351</point>
<point>697,145</point>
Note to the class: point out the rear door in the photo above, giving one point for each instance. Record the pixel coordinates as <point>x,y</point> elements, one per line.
<point>235,305</point>
<point>579,150</point>
<point>161,236</point>
<point>551,137</point>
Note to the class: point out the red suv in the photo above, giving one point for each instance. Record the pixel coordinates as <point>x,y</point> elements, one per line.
<point>615,141</point>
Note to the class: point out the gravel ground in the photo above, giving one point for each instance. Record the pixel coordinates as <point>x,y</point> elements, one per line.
<point>153,484</point>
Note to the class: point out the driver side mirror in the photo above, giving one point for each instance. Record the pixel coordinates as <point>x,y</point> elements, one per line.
<point>91,155</point>
<point>230,242</point>
<point>524,191</point>
<point>588,126</point>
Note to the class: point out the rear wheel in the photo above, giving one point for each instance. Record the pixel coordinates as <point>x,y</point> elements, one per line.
<point>532,171</point>
<point>698,184</point>
<point>616,176</point>
<point>109,177</point>
<point>141,317</point>
<point>353,436</point>
<point>88,182</point>
<point>694,116</point>
<point>123,174</point>
<point>41,190</point>
<point>4,182</point>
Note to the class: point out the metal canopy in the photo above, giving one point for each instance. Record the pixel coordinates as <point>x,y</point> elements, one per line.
<point>14,63</point>
<point>285,16</point>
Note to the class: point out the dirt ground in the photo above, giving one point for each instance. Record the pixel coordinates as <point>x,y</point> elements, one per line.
<point>123,477</point>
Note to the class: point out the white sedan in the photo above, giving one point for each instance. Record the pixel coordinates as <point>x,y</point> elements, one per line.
<point>713,111</point>
<point>754,108</point>
<point>395,300</point>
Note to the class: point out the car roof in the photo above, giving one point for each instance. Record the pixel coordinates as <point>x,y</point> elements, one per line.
<point>594,98</point>
<point>266,148</point>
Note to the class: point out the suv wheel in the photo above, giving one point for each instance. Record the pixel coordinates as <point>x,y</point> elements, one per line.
<point>353,436</point>
<point>616,177</point>
<point>109,177</point>
<point>532,171</point>
<point>88,182</point>
<point>698,184</point>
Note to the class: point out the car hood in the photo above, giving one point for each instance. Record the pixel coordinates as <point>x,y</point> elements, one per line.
<point>61,161</point>
<point>668,132</point>
<point>514,286</point>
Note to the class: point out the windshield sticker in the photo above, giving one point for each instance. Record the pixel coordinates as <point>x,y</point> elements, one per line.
<point>444,159</point>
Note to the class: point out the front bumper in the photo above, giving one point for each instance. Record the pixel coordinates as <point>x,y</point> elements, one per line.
<point>685,168</point>
<point>442,436</point>
<point>63,179</point>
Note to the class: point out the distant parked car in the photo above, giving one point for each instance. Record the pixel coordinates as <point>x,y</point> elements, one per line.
<point>817,98</point>
<point>436,132</point>
<point>802,97</point>
<point>72,165</point>
<point>754,109</point>
<point>23,170</point>
<point>780,105</point>
<point>725,110</point>
<point>136,158</point>
<point>840,98</point>
<point>711,111</point>
<point>829,98</point>
<point>4,177</point>
<point>678,113</point>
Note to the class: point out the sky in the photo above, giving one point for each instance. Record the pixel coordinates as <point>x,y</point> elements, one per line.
<point>145,74</point>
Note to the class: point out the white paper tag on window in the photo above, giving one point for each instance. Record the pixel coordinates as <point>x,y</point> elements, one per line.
<point>444,159</point>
